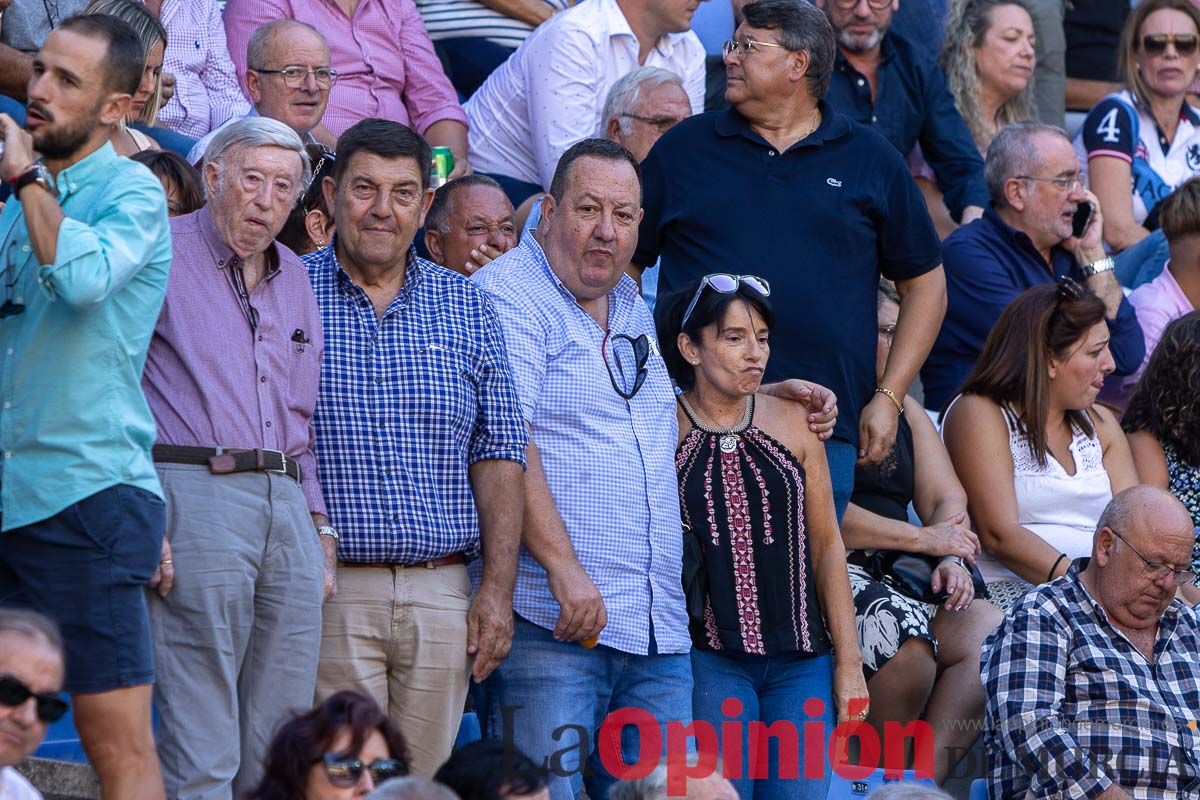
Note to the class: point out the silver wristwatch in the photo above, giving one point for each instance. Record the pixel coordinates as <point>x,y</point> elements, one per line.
<point>1105,264</point>
<point>330,531</point>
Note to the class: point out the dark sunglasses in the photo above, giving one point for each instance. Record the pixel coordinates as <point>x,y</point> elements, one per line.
<point>630,355</point>
<point>347,772</point>
<point>724,283</point>
<point>1156,43</point>
<point>50,707</point>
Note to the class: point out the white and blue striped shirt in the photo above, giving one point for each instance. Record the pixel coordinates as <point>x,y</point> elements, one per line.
<point>470,19</point>
<point>609,462</point>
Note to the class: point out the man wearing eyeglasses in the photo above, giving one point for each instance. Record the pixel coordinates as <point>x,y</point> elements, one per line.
<point>884,81</point>
<point>1025,238</point>
<point>31,677</point>
<point>288,77</point>
<point>1093,684</point>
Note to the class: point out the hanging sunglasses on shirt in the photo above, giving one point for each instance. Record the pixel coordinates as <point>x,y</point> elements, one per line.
<point>725,283</point>
<point>1156,43</point>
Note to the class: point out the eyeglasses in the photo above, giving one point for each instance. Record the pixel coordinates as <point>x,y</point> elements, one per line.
<point>12,275</point>
<point>877,5</point>
<point>725,283</point>
<point>50,707</point>
<point>887,332</point>
<point>743,47</point>
<point>660,124</point>
<point>1063,184</point>
<point>1156,43</point>
<point>1156,571</point>
<point>295,76</point>
<point>347,772</point>
<point>630,356</point>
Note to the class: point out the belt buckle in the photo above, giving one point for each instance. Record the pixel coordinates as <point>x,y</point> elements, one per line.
<point>283,460</point>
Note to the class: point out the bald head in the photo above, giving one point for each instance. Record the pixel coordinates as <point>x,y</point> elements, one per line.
<point>1144,515</point>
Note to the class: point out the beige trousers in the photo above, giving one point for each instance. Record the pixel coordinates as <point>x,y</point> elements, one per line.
<point>399,635</point>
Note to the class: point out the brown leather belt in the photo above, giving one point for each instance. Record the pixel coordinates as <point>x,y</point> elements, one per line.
<point>444,561</point>
<point>225,461</point>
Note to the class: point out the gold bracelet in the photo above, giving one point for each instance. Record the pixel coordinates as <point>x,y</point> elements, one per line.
<point>891,396</point>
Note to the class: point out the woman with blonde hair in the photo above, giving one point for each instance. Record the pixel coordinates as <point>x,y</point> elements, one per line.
<point>148,98</point>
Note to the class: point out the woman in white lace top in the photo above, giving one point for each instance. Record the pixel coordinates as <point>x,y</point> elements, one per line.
<point>1038,459</point>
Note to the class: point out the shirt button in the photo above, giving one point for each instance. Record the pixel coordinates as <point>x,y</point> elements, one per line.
<point>379,380</point>
<point>8,454</point>
<point>263,379</point>
<point>7,404</point>
<point>268,423</point>
<point>874,119</point>
<point>770,152</point>
<point>10,351</point>
<point>861,81</point>
<point>260,337</point>
<point>395,517</point>
<point>25,248</point>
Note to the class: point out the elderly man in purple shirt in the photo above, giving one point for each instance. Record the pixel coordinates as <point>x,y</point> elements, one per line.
<point>232,380</point>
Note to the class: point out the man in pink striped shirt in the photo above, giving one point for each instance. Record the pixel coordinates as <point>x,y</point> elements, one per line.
<point>385,62</point>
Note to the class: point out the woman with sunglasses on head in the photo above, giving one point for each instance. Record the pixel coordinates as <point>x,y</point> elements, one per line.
<point>769,605</point>
<point>1137,145</point>
<point>310,225</point>
<point>1038,457</point>
<point>1163,423</point>
<point>340,750</point>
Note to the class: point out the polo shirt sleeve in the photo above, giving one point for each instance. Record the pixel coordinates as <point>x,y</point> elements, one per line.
<point>949,149</point>
<point>907,241</point>
<point>428,95</point>
<point>1109,131</point>
<point>1126,341</point>
<point>524,338</point>
<point>978,288</point>
<point>563,93</point>
<point>654,195</point>
<point>500,431</point>
<point>95,261</point>
<point>1025,684</point>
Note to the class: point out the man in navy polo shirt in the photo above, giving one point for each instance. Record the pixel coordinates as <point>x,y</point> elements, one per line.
<point>782,186</point>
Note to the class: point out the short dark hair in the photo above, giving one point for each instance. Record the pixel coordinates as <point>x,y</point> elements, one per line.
<point>802,27</point>
<point>387,139</point>
<point>438,216</point>
<point>168,165</point>
<point>1179,214</point>
<point>489,769</point>
<point>590,148</point>
<point>124,60</point>
<point>305,739</point>
<point>710,307</point>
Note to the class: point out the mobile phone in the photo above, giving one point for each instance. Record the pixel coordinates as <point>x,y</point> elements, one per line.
<point>1081,220</point>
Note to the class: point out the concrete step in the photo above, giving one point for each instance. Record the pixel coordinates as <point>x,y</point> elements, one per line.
<point>61,780</point>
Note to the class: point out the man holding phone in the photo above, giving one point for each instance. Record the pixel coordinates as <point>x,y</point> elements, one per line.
<point>1042,225</point>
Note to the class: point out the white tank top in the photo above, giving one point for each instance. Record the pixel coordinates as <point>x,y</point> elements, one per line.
<point>1062,509</point>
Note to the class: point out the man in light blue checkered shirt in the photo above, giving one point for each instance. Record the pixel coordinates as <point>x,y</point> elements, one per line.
<point>421,443</point>
<point>602,549</point>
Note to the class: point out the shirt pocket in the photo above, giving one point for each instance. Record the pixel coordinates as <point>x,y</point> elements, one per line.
<point>448,385</point>
<point>303,364</point>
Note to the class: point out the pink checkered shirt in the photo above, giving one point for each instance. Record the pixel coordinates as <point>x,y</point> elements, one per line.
<point>386,62</point>
<point>207,93</point>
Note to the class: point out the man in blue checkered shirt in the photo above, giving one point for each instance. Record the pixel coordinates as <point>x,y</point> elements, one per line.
<point>1093,680</point>
<point>421,443</point>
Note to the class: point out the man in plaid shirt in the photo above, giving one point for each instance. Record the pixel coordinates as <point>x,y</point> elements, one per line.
<point>1093,681</point>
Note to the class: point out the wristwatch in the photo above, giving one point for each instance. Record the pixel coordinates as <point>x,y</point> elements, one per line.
<point>330,531</point>
<point>1105,264</point>
<point>36,174</point>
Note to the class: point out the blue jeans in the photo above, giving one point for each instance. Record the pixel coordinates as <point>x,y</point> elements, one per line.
<point>1143,262</point>
<point>168,139</point>
<point>518,191</point>
<point>841,456</point>
<point>550,698</point>
<point>770,689</point>
<point>472,59</point>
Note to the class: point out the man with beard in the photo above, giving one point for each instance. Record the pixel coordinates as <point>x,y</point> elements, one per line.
<point>885,81</point>
<point>85,250</point>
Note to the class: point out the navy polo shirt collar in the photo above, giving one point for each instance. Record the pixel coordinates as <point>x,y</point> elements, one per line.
<point>1019,239</point>
<point>833,125</point>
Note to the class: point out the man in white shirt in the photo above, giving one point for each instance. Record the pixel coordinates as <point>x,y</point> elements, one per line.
<point>550,93</point>
<point>31,675</point>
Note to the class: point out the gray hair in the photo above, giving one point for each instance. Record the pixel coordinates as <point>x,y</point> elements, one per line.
<point>410,787</point>
<point>258,132</point>
<point>651,787</point>
<point>801,27</point>
<point>31,625</point>
<point>260,40</point>
<point>908,791</point>
<point>623,96</point>
<point>1013,152</point>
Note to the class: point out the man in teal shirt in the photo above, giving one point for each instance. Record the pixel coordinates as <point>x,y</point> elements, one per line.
<point>85,250</point>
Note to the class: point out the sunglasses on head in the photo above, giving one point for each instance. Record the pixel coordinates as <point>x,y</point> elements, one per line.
<point>1156,43</point>
<point>347,772</point>
<point>50,707</point>
<point>724,283</point>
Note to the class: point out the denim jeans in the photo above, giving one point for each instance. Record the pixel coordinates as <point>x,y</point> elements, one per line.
<point>770,689</point>
<point>1143,262</point>
<point>549,699</point>
<point>841,456</point>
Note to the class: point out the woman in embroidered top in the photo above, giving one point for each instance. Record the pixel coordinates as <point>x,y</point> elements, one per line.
<point>1038,458</point>
<point>1163,423</point>
<point>772,619</point>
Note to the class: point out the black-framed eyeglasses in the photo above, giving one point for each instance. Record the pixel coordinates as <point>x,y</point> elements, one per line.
<point>745,46</point>
<point>295,75</point>
<point>630,356</point>
<point>1156,571</point>
<point>888,332</point>
<point>12,275</point>
<point>347,772</point>
<point>1064,184</point>
<point>660,124</point>
<point>1156,43</point>
<point>724,283</point>
<point>50,706</point>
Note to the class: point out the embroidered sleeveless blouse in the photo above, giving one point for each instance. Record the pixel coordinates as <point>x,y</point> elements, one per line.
<point>742,493</point>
